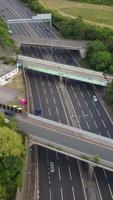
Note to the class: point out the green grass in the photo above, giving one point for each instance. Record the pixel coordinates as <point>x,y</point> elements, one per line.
<point>92,13</point>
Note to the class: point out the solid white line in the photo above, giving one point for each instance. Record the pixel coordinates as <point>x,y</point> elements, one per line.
<point>83,113</point>
<point>42,83</point>
<point>82,181</point>
<point>59,174</point>
<point>73,192</point>
<point>61,193</point>
<point>88,93</point>
<point>69,172</point>
<point>103,123</point>
<point>110,191</point>
<point>98,186</point>
<point>50,195</point>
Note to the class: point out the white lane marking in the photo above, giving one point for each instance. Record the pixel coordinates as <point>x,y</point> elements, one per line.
<point>103,123</point>
<point>82,94</point>
<point>95,123</point>
<point>61,193</point>
<point>98,186</point>
<point>93,103</point>
<point>87,125</point>
<point>57,155</point>
<point>110,191</point>
<point>47,100</point>
<point>54,100</point>
<point>91,113</point>
<point>57,111</point>
<point>51,90</point>
<point>73,192</point>
<point>105,173</point>
<point>98,112</point>
<point>42,83</point>
<point>69,172</point>
<point>50,195</point>
<point>44,91</point>
<point>59,174</point>
<point>49,111</point>
<point>79,104</point>
<point>82,181</point>
<point>86,103</point>
<point>75,95</point>
<point>88,93</point>
<point>83,113</point>
<point>108,134</point>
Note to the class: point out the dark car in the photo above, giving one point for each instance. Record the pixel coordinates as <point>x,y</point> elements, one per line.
<point>9,113</point>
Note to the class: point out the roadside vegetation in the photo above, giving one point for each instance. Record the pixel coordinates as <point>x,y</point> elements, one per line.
<point>11,158</point>
<point>7,45</point>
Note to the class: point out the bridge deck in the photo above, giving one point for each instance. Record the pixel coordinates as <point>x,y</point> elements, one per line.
<point>59,43</point>
<point>62,70</point>
<point>70,140</point>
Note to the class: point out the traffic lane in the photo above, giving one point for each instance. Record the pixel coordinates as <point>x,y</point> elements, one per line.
<point>78,111</point>
<point>103,184</point>
<point>102,113</point>
<point>60,110</point>
<point>63,102</point>
<point>65,178</point>
<point>92,106</point>
<point>43,175</point>
<point>43,83</point>
<point>81,108</point>
<point>63,140</point>
<point>54,177</point>
<point>79,193</point>
<point>36,101</point>
<point>110,180</point>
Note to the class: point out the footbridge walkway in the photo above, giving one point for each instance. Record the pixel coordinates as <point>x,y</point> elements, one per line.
<point>89,147</point>
<point>65,71</point>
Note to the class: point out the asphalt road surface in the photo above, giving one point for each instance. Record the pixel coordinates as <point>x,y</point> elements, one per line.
<point>97,119</point>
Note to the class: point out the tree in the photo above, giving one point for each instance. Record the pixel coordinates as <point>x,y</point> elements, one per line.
<point>2,193</point>
<point>101,60</point>
<point>10,143</point>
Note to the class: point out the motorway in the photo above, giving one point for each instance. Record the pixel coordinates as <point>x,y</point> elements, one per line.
<point>91,116</point>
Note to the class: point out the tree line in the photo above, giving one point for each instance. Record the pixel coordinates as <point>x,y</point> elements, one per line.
<point>11,158</point>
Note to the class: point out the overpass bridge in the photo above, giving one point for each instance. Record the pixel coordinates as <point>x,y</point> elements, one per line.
<point>56,43</point>
<point>89,147</point>
<point>64,71</point>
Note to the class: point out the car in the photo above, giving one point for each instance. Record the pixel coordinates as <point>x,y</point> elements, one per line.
<point>10,31</point>
<point>52,167</point>
<point>9,113</point>
<point>95,98</point>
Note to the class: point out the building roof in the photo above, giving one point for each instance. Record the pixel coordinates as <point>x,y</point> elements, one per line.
<point>4,69</point>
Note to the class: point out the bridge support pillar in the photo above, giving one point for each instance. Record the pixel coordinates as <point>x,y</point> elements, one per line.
<point>82,52</point>
<point>91,171</point>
